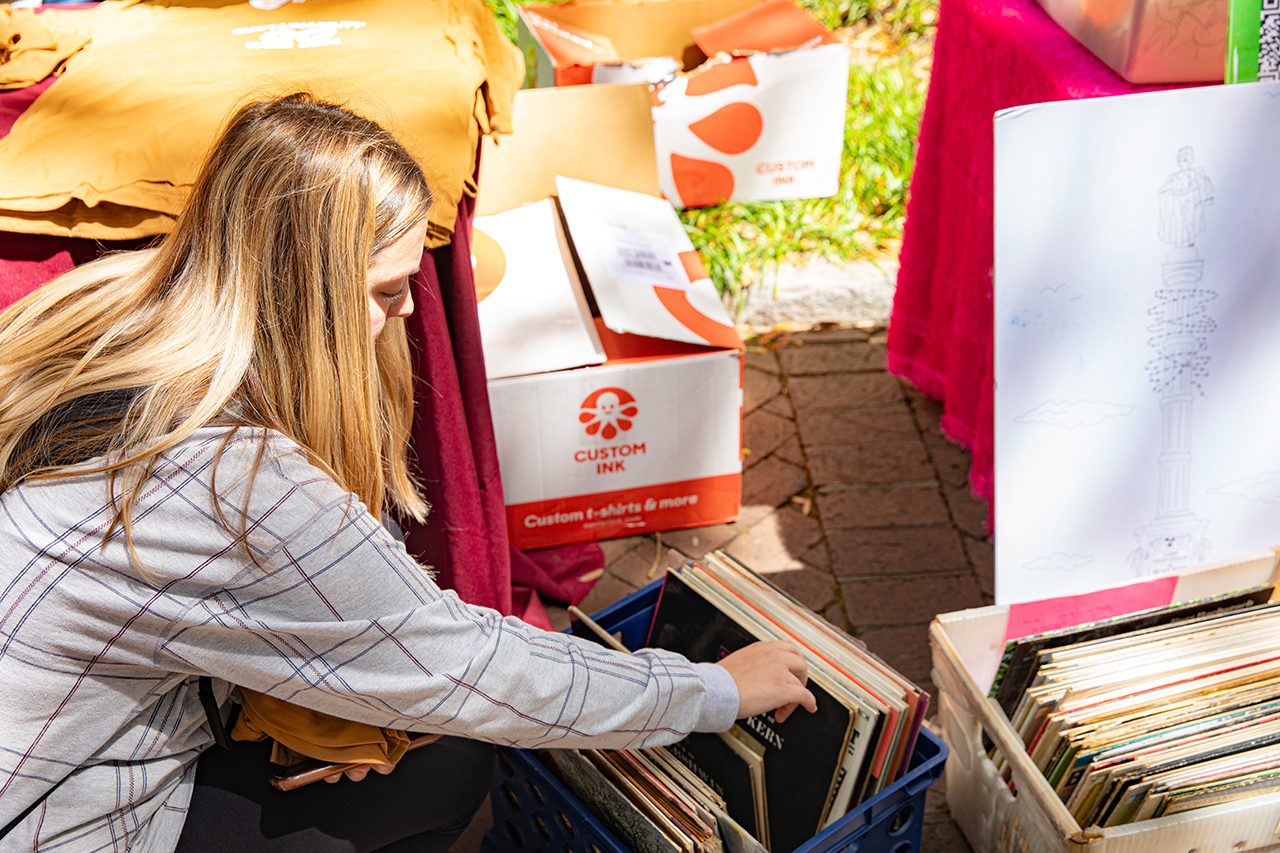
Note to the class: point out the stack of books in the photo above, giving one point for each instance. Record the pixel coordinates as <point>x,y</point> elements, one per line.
<point>813,767</point>
<point>1154,713</point>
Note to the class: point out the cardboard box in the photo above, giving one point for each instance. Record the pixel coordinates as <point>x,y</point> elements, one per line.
<point>1150,41</point>
<point>967,647</point>
<point>758,116</point>
<point>651,438</point>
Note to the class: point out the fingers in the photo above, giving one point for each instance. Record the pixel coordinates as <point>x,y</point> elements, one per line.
<point>770,676</point>
<point>805,700</point>
<point>357,773</point>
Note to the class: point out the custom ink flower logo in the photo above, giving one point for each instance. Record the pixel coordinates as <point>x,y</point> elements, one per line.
<point>607,412</point>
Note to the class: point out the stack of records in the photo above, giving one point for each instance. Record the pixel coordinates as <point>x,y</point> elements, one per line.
<point>651,801</point>
<point>1155,713</point>
<point>813,767</point>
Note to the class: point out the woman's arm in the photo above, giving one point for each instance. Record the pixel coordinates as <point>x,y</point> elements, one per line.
<point>339,618</point>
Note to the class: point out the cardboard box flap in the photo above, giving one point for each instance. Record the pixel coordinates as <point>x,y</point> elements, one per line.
<point>602,134</point>
<point>567,44</point>
<point>641,266</point>
<point>766,27</point>
<point>533,314</point>
<point>634,29</point>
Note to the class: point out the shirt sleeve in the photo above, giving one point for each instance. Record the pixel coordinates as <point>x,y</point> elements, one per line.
<point>333,614</point>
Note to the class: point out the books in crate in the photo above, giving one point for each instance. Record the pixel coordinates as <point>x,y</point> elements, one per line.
<point>1154,713</point>
<point>766,784</point>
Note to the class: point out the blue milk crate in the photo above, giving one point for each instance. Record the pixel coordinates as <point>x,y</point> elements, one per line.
<point>533,812</point>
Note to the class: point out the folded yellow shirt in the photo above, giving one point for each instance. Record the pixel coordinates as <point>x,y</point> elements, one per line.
<point>301,733</point>
<point>111,150</point>
<point>29,50</point>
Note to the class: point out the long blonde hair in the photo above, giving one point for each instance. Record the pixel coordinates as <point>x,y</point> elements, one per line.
<point>252,312</point>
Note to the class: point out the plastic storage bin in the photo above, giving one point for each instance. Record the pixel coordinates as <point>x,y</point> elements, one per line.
<point>967,646</point>
<point>534,813</point>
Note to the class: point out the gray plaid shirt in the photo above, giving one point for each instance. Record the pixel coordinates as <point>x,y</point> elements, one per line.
<point>99,659</point>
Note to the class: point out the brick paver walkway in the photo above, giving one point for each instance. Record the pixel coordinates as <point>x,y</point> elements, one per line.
<point>853,501</point>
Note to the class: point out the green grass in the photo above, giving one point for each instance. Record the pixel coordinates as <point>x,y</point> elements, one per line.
<point>741,243</point>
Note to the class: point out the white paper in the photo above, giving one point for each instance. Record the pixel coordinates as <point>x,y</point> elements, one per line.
<point>658,70</point>
<point>648,257</point>
<point>1137,360</point>
<point>630,244</point>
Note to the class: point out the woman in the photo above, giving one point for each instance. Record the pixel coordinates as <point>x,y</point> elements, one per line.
<point>196,444</point>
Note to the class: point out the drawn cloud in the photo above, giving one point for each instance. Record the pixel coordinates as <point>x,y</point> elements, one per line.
<point>1261,488</point>
<point>1059,562</point>
<point>1073,413</point>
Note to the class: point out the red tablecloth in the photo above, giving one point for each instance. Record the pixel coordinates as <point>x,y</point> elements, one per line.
<point>989,55</point>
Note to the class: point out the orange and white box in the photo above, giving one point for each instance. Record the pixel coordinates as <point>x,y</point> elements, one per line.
<point>650,439</point>
<point>748,95</point>
<point>637,445</point>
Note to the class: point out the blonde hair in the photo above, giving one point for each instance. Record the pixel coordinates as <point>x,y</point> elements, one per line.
<point>252,312</point>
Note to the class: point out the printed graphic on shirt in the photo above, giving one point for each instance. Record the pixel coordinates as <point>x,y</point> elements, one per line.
<point>272,5</point>
<point>299,34</point>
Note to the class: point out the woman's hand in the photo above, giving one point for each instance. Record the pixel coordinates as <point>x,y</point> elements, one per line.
<point>357,773</point>
<point>770,676</point>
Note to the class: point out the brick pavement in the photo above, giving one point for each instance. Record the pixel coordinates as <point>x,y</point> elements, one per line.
<point>853,501</point>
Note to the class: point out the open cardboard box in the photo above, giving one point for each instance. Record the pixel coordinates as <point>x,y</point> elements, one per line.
<point>616,395</point>
<point>748,95</point>
<point>967,648</point>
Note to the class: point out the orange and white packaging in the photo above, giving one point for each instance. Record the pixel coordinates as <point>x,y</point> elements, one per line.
<point>651,439</point>
<point>538,320</point>
<point>642,268</point>
<point>634,446</point>
<point>754,128</point>
<point>748,95</point>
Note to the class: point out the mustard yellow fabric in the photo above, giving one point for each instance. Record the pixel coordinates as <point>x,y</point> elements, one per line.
<point>110,151</point>
<point>301,733</point>
<point>29,50</point>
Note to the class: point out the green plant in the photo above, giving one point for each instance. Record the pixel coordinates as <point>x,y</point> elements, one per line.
<point>505,13</point>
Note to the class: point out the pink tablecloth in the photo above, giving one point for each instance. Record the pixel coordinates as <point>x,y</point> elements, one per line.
<point>989,55</point>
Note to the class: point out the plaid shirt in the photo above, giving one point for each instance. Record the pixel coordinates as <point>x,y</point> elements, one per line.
<point>100,657</point>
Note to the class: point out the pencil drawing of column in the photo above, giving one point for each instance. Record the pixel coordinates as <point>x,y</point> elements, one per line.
<point>1180,330</point>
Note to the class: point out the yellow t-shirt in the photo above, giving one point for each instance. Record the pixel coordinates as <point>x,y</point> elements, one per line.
<point>111,150</point>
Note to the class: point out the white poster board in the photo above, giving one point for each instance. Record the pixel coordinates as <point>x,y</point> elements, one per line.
<point>1137,336</point>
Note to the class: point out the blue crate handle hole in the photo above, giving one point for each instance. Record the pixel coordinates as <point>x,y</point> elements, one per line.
<point>510,796</point>
<point>902,820</point>
<point>540,825</point>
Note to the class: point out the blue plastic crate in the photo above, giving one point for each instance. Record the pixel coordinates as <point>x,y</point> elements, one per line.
<point>534,813</point>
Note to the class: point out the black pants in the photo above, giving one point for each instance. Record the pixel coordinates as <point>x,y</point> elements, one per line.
<point>420,807</point>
